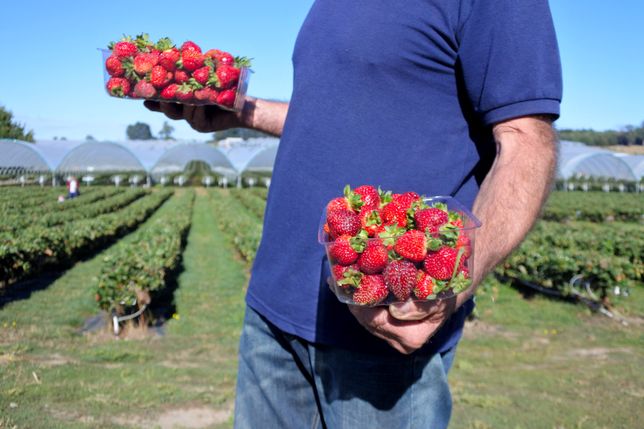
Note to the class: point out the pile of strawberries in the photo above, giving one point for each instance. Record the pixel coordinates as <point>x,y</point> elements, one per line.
<point>386,247</point>
<point>139,68</point>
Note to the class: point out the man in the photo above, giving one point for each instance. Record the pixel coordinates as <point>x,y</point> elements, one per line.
<point>438,97</point>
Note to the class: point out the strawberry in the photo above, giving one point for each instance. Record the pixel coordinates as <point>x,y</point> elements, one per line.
<point>213,96</point>
<point>160,77</point>
<point>144,89</point>
<point>394,214</point>
<point>424,285</point>
<point>372,290</point>
<point>400,276</point>
<point>221,58</point>
<point>190,46</point>
<point>371,221</point>
<point>343,222</point>
<point>343,250</point>
<point>374,258</point>
<point>118,86</point>
<point>204,94</point>
<point>201,75</point>
<point>368,195</point>
<point>114,66</point>
<point>184,93</point>
<point>440,264</point>
<point>169,92</point>
<point>191,60</point>
<point>168,59</point>
<point>432,218</point>
<point>124,49</point>
<point>347,276</point>
<point>144,61</point>
<point>412,245</point>
<point>227,76</point>
<point>227,97</point>
<point>181,76</point>
<point>339,203</point>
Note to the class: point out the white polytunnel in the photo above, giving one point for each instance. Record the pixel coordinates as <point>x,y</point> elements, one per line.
<point>19,157</point>
<point>636,162</point>
<point>175,160</point>
<point>579,160</point>
<point>99,157</point>
<point>262,162</point>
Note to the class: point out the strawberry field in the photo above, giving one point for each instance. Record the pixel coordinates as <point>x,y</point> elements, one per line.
<point>181,258</point>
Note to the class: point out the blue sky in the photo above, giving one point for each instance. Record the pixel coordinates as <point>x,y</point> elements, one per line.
<point>51,76</point>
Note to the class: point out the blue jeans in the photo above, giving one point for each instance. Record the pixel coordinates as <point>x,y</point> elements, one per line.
<point>286,382</point>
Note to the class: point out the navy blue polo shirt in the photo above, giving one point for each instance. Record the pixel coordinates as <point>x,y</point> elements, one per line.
<point>400,95</point>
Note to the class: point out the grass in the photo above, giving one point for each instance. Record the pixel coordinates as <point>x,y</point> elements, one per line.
<point>524,363</point>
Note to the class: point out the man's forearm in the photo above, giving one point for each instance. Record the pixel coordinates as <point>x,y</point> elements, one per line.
<point>513,193</point>
<point>263,115</point>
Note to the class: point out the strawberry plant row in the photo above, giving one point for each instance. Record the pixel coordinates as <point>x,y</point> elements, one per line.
<point>51,204</point>
<point>594,207</point>
<point>252,202</point>
<point>617,239</point>
<point>539,260</point>
<point>260,192</point>
<point>38,247</point>
<point>22,198</point>
<point>239,225</point>
<point>135,273</point>
<point>100,206</point>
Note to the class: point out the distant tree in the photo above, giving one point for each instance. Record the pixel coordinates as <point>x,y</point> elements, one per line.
<point>13,130</point>
<point>139,131</point>
<point>166,131</point>
<point>628,135</point>
<point>90,137</point>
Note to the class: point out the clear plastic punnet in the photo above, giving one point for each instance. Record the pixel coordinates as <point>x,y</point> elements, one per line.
<point>415,260</point>
<point>224,86</point>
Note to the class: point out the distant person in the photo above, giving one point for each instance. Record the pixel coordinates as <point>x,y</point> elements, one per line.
<point>61,198</point>
<point>72,187</point>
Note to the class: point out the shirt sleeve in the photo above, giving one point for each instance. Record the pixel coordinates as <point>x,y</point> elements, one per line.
<point>509,59</point>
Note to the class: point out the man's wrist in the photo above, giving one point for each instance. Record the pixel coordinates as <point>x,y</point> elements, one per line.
<point>246,115</point>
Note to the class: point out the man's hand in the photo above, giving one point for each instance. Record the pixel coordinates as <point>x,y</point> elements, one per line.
<point>262,115</point>
<point>406,336</point>
<point>205,119</point>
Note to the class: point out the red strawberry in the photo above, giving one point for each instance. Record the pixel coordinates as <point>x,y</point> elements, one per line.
<point>424,285</point>
<point>213,96</point>
<point>190,46</point>
<point>440,264</point>
<point>204,94</point>
<point>144,89</point>
<point>118,86</point>
<point>369,196</point>
<point>432,218</point>
<point>124,49</point>
<point>406,199</point>
<point>394,214</point>
<point>201,75</point>
<point>184,93</point>
<point>372,290</point>
<point>374,258</point>
<point>181,76</point>
<point>168,59</point>
<point>170,91</point>
<point>339,203</point>
<point>343,222</point>
<point>114,66</point>
<point>220,57</point>
<point>160,77</point>
<point>400,276</point>
<point>371,221</point>
<point>191,60</point>
<point>412,245</point>
<point>227,97</point>
<point>341,250</point>
<point>347,276</point>
<point>144,61</point>
<point>227,76</point>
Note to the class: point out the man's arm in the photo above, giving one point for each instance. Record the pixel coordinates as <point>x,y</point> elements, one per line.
<point>508,204</point>
<point>258,114</point>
